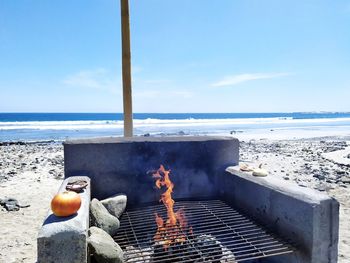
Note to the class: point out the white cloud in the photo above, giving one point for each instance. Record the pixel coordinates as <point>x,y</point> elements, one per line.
<point>99,79</point>
<point>237,79</point>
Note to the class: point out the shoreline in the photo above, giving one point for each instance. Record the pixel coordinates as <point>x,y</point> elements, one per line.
<point>273,135</point>
<point>38,127</point>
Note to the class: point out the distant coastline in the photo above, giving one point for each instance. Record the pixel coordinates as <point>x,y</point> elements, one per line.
<point>60,126</point>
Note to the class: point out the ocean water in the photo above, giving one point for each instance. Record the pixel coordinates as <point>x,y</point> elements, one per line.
<point>61,126</point>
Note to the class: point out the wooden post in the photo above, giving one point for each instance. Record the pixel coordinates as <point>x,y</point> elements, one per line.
<point>126,68</point>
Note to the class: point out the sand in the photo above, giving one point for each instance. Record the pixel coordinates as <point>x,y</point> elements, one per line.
<point>32,173</point>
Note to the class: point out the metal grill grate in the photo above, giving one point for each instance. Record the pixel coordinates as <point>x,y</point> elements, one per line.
<point>220,234</point>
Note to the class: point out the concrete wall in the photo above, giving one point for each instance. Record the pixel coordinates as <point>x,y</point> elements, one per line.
<point>64,239</point>
<point>307,217</point>
<point>125,165</point>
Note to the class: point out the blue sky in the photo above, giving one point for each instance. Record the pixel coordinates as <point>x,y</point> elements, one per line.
<point>187,56</point>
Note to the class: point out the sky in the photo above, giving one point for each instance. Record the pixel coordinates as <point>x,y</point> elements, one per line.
<point>187,55</point>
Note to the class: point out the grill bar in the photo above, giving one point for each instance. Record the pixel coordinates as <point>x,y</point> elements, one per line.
<point>220,234</point>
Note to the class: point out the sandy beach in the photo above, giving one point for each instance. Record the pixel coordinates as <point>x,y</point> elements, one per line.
<point>32,173</point>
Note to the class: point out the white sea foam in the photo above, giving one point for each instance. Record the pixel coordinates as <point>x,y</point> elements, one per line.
<point>171,123</point>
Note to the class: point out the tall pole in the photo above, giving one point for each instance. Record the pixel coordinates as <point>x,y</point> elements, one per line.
<point>126,68</point>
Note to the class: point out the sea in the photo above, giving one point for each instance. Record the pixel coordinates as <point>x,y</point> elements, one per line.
<point>62,126</point>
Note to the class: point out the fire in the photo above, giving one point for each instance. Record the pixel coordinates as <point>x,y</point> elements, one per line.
<point>173,229</point>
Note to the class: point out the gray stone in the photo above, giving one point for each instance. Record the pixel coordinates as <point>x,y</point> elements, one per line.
<point>101,218</point>
<point>340,172</point>
<point>11,207</point>
<point>103,247</point>
<point>64,239</point>
<point>319,176</point>
<point>10,204</point>
<point>115,205</point>
<point>345,180</point>
<point>302,184</point>
<point>321,187</point>
<point>4,177</point>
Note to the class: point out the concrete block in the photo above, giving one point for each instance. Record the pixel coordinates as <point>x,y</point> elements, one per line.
<point>125,165</point>
<point>308,218</point>
<point>64,239</point>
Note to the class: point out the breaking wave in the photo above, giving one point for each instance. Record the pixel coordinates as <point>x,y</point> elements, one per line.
<point>170,123</point>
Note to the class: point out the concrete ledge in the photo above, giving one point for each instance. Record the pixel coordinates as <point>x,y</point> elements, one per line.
<point>109,140</point>
<point>64,239</point>
<point>307,217</point>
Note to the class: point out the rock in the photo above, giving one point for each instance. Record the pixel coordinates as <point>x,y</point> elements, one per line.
<point>11,207</point>
<point>302,184</point>
<point>10,204</point>
<point>3,177</point>
<point>321,187</point>
<point>319,176</point>
<point>345,180</point>
<point>116,204</point>
<point>103,247</point>
<point>285,177</point>
<point>340,172</point>
<point>101,218</point>
<point>245,168</point>
<point>260,172</point>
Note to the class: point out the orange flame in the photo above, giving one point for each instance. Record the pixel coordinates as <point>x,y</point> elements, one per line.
<point>172,230</point>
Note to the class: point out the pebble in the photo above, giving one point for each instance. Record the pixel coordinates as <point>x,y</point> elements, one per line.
<point>260,172</point>
<point>302,184</point>
<point>10,204</point>
<point>345,180</point>
<point>321,187</point>
<point>319,176</point>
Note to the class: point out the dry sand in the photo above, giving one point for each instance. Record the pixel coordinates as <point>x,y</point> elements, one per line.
<point>32,173</point>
